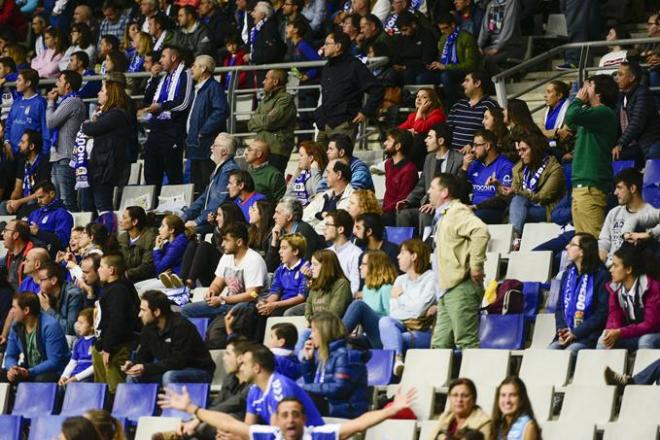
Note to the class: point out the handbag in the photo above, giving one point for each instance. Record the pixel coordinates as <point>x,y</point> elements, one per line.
<point>421,324</point>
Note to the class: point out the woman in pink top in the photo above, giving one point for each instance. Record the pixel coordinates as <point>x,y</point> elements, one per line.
<point>47,62</point>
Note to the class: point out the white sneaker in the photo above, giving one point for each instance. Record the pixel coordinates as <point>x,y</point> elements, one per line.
<point>398,368</point>
<point>378,169</point>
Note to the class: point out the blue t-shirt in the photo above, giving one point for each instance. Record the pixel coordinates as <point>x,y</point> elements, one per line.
<point>326,432</point>
<point>29,285</point>
<point>82,354</point>
<point>478,174</point>
<point>279,386</point>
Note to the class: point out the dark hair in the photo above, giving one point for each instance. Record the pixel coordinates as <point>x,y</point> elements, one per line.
<point>299,24</point>
<point>635,69</point>
<point>31,76</point>
<point>231,213</point>
<point>373,222</point>
<point>189,10</point>
<point>45,185</point>
<point>331,270</point>
<point>85,34</point>
<point>243,177</point>
<point>157,300</point>
<point>259,232</point>
<point>28,300</point>
<point>466,382</point>
<point>538,146</point>
<point>83,57</point>
<point>58,37</point>
<point>8,62</point>
<point>443,130</point>
<point>342,219</point>
<point>119,62</point>
<point>406,18</point>
<point>162,20</point>
<point>342,167</point>
<point>262,356</point>
<point>417,247</point>
<point>590,258</point>
<point>95,258</point>
<point>292,399</point>
<point>73,78</point>
<point>634,258</point>
<point>22,228</point>
<point>112,41</point>
<point>107,426</point>
<point>519,114</point>
<point>237,230</point>
<point>403,138</point>
<point>445,18</point>
<point>485,80</point>
<point>488,136</point>
<point>621,32</point>
<point>355,20</point>
<point>79,428</point>
<point>606,88</point>
<point>342,142</point>
<point>341,39</point>
<point>630,177</point>
<point>286,331</point>
<point>115,261</point>
<point>101,237</point>
<point>138,213</point>
<point>34,138</point>
<point>54,270</point>
<point>500,424</point>
<point>561,87</point>
<point>450,182</point>
<point>110,4</point>
<point>373,19</point>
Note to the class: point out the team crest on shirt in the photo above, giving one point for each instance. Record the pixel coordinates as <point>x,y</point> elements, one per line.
<point>44,220</point>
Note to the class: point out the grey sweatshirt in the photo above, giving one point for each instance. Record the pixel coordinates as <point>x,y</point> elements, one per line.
<point>67,118</point>
<point>611,236</point>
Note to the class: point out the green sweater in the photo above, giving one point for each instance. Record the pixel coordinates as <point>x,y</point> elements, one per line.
<point>596,136</point>
<point>268,181</point>
<point>336,300</point>
<point>466,49</point>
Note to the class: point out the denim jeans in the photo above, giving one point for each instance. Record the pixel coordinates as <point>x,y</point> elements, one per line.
<point>648,375</point>
<point>651,340</point>
<point>490,216</point>
<point>187,375</point>
<point>573,347</point>
<point>201,309</point>
<point>653,151</point>
<point>522,211</point>
<point>64,179</point>
<point>395,336</point>
<point>359,312</point>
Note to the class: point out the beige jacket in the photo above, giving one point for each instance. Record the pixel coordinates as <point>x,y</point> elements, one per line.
<point>460,244</point>
<point>478,420</point>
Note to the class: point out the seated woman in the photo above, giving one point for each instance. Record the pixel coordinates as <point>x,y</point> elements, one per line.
<point>582,305</point>
<point>334,375</point>
<point>463,414</point>
<point>81,40</point>
<point>363,201</point>
<point>634,302</point>
<point>47,62</point>
<point>513,417</point>
<point>556,98</point>
<point>378,274</point>
<point>538,185</point>
<point>411,297</point>
<point>494,121</point>
<point>169,248</point>
<point>312,160</point>
<point>261,222</point>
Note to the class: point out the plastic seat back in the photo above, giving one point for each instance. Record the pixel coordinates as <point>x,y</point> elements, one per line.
<point>219,373</point>
<point>530,266</point>
<point>10,427</point>
<point>638,429</point>
<point>135,400</point>
<point>651,187</point>
<point>501,238</point>
<point>620,165</point>
<point>591,364</point>
<point>199,394</point>
<point>544,330</point>
<point>379,367</point>
<point>545,367</point>
<point>148,426</point>
<point>5,388</point>
<point>35,399</point>
<point>504,332</point>
<point>202,325</point>
<point>46,427</point>
<point>81,396</point>
<point>399,234</point>
<point>640,402</point>
<point>393,430</point>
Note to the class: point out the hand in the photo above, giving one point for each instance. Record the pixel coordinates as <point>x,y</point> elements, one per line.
<point>229,320</point>
<point>12,206</point>
<point>170,399</point>
<point>153,108</point>
<point>214,301</point>
<point>52,95</point>
<point>490,52</point>
<point>34,229</point>
<point>272,113</point>
<point>477,275</point>
<point>399,67</point>
<point>106,358</point>
<point>616,152</point>
<point>426,106</point>
<point>12,374</point>
<point>156,69</point>
<point>308,350</point>
<point>567,157</point>
<point>267,308</point>
<point>396,292</point>
<point>135,370</point>
<point>358,295</point>
<point>435,65</point>
<point>210,217</point>
<point>492,180</point>
<point>246,58</point>
<point>62,381</point>
<point>44,300</point>
<point>467,149</point>
<point>159,241</point>
<point>432,311</point>
<point>276,234</point>
<point>60,256</point>
<point>359,118</point>
<point>72,379</point>
<point>188,428</point>
<point>403,400</point>
<point>583,93</point>
<point>426,209</point>
<point>505,190</point>
<point>564,133</point>
<point>636,238</point>
<point>401,204</point>
<point>467,160</point>
<point>611,336</point>
<point>306,270</point>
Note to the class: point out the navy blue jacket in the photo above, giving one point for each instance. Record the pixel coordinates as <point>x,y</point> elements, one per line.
<point>213,196</point>
<point>344,382</point>
<point>207,118</point>
<point>54,221</point>
<point>287,364</point>
<point>171,255</point>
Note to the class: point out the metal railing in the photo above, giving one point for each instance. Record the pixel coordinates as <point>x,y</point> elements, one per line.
<point>586,52</point>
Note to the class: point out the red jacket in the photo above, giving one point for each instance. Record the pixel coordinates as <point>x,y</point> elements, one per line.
<point>425,124</point>
<point>617,318</point>
<point>10,16</point>
<point>237,61</point>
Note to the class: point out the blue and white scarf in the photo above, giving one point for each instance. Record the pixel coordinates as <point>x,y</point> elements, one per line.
<point>55,131</point>
<point>449,53</point>
<point>299,188</point>
<point>166,90</point>
<point>390,24</point>
<point>529,182</point>
<point>137,61</point>
<point>578,296</point>
<point>29,178</point>
<point>80,160</point>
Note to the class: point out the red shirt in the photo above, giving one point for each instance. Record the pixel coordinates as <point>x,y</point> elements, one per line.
<point>423,125</point>
<point>400,179</point>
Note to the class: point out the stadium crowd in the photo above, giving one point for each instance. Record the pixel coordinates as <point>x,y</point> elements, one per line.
<point>112,301</point>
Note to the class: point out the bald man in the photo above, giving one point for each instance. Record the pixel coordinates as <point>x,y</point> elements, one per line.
<point>268,180</point>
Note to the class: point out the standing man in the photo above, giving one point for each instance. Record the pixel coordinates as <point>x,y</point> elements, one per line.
<point>268,180</point>
<point>461,240</point>
<point>114,20</point>
<point>344,81</point>
<point>64,115</point>
<point>27,112</point>
<point>170,99</point>
<point>207,117</point>
<point>592,114</point>
<point>274,120</point>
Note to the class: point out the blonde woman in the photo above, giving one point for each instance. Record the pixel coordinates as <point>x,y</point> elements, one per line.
<point>107,426</point>
<point>363,201</point>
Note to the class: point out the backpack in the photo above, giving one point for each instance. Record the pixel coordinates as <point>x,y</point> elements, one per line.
<point>509,299</point>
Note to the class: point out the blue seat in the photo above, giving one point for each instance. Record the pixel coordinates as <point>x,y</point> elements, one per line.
<point>46,427</point>
<point>10,427</point>
<point>199,394</point>
<point>135,400</point>
<point>620,165</point>
<point>379,367</point>
<point>502,331</point>
<point>399,234</point>
<point>35,399</point>
<point>202,324</point>
<point>81,396</point>
<point>651,186</point>
<point>532,294</point>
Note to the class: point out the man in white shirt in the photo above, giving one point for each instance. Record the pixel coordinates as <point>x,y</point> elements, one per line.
<point>338,227</point>
<point>338,175</point>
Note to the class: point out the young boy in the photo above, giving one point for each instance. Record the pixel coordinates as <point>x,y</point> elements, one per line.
<point>80,366</point>
<point>283,339</point>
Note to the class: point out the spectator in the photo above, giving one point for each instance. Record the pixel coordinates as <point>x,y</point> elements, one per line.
<point>217,23</point>
<point>338,175</point>
<point>582,301</point>
<point>390,25</point>
<point>35,259</point>
<point>639,128</point>
<point>114,20</point>
<point>47,64</point>
<point>170,244</point>
<point>283,339</point>
<point>11,17</point>
<point>411,298</point>
<point>343,83</point>
<point>469,17</point>
<point>463,414</point>
<point>147,8</point>
<point>369,233</point>
<point>78,428</point>
<point>118,308</point>
<point>414,210</point>
<point>500,38</point>
<point>592,114</point>
<point>39,25</point>
<point>268,179</point>
<point>84,14</point>
<point>28,112</point>
<point>519,119</point>
<point>363,201</point>
<point>556,98</point>
<point>16,240</point>
<point>36,350</point>
<point>79,63</point>
<point>478,169</point>
<point>312,160</point>
<point>80,368</point>
<point>647,376</point>
<point>234,56</point>
<point>350,25</point>
<point>338,230</point>
<point>215,194</point>
<point>333,374</point>
<point>274,120</point>
<point>60,299</point>
<point>314,12</point>
<point>240,187</point>
<point>159,29</point>
<point>64,115</point>
<point>107,44</point>
<point>416,48</point>
<point>207,118</point>
<point>136,244</point>
<point>371,28</point>
<point>51,223</point>
<point>494,121</point>
<point>466,115</point>
<point>378,274</point>
<point>340,146</point>
<point>265,43</point>
<point>81,40</point>
<point>260,224</point>
<point>628,191</point>
<point>115,61</point>
<point>512,412</point>
<point>288,13</point>
<point>192,35</point>
<point>171,349</point>
<point>329,290</point>
<point>461,240</point>
<point>90,282</point>
<point>400,174</point>
<point>170,98</point>
<point>582,24</point>
<point>616,54</point>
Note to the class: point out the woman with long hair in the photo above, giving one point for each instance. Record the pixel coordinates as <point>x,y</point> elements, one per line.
<point>136,243</point>
<point>519,120</point>
<point>494,121</point>
<point>582,304</point>
<point>171,243</point>
<point>312,160</point>
<point>81,40</point>
<point>428,113</point>
<point>260,224</point>
<point>47,62</point>
<point>334,375</point>
<point>78,428</point>
<point>463,414</point>
<point>329,289</point>
<point>513,417</point>
<point>378,274</point>
<point>143,46</point>
<point>107,426</point>
<point>362,201</point>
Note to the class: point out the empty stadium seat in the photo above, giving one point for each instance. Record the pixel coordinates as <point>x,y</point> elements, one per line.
<point>501,238</point>
<point>139,195</point>
<point>199,394</point>
<point>491,267</point>
<point>299,321</point>
<point>638,430</point>
<point>640,402</point>
<point>10,427</point>
<point>393,430</point>
<point>651,186</point>
<point>379,367</point>
<point>568,430</point>
<point>486,368</point>
<point>34,399</point>
<point>135,400</point>
<point>540,397</point>
<point>81,218</point>
<point>81,396</point>
<point>399,234</point>
<point>135,176</point>
<point>186,190</point>
<point>591,364</point>
<point>545,367</point>
<point>219,373</point>
<point>198,294</point>
<point>4,397</point>
<point>544,330</point>
<point>148,426</point>
<point>530,266</point>
<point>644,358</point>
<point>502,331</point>
<point>588,404</point>
<point>202,324</point>
<point>536,233</point>
<point>46,427</point>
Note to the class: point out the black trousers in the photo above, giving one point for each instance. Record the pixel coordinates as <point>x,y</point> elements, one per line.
<point>199,262</point>
<point>163,155</point>
<point>200,173</point>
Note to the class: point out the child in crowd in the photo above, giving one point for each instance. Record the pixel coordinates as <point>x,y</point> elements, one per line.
<point>283,339</point>
<point>80,366</point>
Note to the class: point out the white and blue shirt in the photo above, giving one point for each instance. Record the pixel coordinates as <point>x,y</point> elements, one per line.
<point>478,174</point>
<point>327,432</point>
